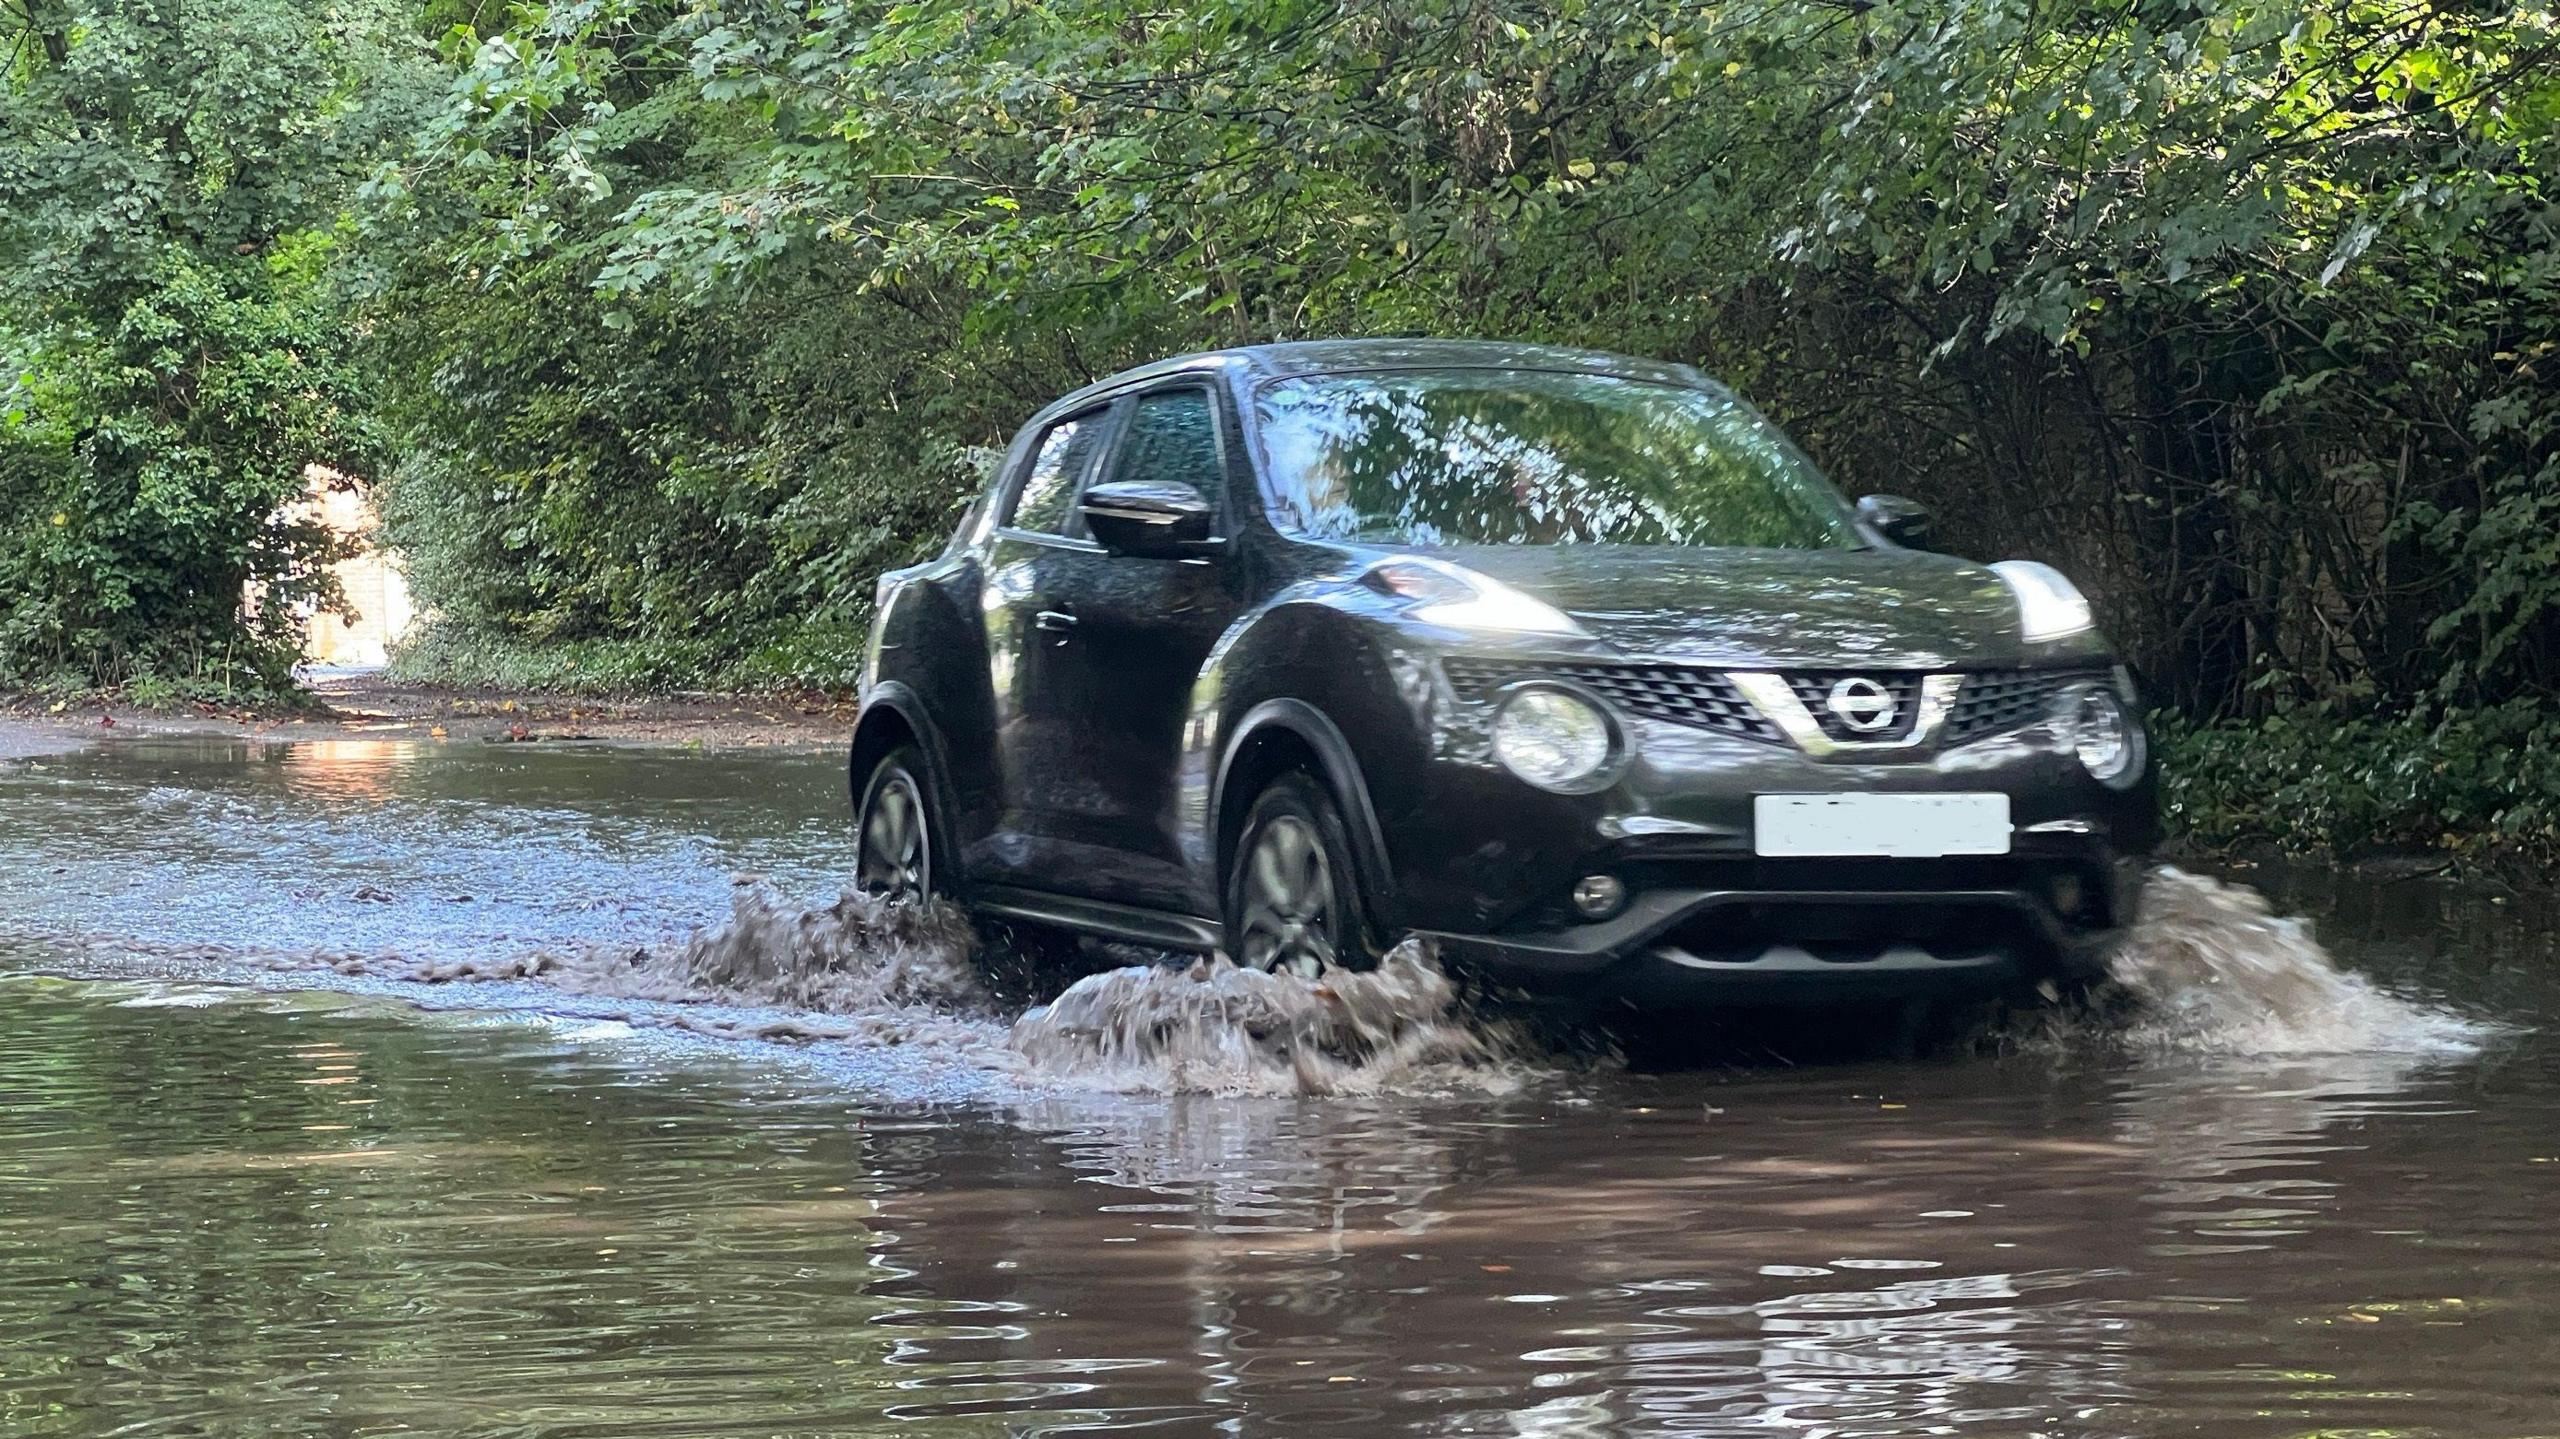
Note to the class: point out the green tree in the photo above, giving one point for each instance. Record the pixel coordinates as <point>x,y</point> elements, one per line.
<point>661,485</point>
<point>172,174</point>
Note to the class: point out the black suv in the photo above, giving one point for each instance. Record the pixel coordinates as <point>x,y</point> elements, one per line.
<point>1569,661</point>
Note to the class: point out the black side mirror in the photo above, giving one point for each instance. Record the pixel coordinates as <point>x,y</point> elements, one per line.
<point>1897,520</point>
<point>1155,519</point>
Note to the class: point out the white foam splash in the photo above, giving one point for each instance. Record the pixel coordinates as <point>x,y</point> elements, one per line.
<point>867,972</point>
<point>856,971</point>
<point>856,955</point>
<point>1211,1027</point>
<point>2218,971</point>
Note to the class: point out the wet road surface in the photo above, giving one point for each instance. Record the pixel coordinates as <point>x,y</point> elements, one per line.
<point>370,1089</point>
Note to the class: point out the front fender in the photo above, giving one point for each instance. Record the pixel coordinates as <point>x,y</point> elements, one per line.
<point>1339,685</point>
<point>1340,769</point>
<point>893,712</point>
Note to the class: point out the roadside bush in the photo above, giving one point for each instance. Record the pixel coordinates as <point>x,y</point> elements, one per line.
<point>812,657</point>
<point>144,486</point>
<point>2474,783</point>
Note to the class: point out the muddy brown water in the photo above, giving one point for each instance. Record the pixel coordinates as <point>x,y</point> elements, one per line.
<point>359,1088</point>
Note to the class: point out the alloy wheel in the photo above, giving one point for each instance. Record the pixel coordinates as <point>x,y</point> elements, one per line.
<point>1289,901</point>
<point>896,857</point>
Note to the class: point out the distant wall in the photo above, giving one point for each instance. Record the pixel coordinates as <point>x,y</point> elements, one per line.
<point>376,589</point>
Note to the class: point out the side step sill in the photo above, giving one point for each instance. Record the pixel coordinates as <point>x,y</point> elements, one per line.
<point>1126,922</point>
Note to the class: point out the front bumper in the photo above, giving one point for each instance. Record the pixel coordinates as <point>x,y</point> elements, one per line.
<point>1780,933</point>
<point>1485,865</point>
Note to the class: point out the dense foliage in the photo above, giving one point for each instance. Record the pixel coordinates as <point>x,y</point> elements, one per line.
<point>682,315</point>
<point>172,176</point>
<point>2475,784</point>
<point>2233,307</point>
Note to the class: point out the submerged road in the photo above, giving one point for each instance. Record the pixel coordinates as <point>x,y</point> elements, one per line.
<point>371,1087</point>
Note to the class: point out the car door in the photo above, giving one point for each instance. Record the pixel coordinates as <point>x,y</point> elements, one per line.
<point>1031,555</point>
<point>1119,683</point>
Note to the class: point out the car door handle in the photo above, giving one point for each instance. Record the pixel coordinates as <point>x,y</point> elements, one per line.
<point>1056,622</point>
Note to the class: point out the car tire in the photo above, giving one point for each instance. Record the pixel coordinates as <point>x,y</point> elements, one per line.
<point>898,851</point>
<point>1293,890</point>
<point>1018,961</point>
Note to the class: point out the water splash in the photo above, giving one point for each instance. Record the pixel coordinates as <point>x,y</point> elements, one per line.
<point>888,973</point>
<point>1211,1027</point>
<point>2209,968</point>
<point>863,972</point>
<point>854,956</point>
<point>859,970</point>
<point>2216,970</point>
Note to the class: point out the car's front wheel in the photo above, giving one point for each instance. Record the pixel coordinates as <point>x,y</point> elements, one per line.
<point>894,854</point>
<point>1293,892</point>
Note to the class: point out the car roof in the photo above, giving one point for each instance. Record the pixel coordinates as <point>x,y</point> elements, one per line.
<point>1316,357</point>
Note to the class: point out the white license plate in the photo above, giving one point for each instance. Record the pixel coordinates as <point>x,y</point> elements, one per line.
<point>1900,826</point>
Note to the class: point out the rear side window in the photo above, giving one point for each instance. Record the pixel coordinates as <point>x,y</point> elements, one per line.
<point>1173,437</point>
<point>1046,501</point>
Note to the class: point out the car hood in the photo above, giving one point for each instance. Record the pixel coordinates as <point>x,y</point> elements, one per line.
<point>1902,609</point>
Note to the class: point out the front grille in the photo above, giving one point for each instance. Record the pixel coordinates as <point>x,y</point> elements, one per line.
<point>1901,687</point>
<point>1988,702</point>
<point>1994,701</point>
<point>1680,694</point>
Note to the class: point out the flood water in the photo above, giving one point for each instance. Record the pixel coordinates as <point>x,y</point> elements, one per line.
<point>367,1088</point>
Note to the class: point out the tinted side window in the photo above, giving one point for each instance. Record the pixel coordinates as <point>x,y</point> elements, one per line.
<point>1173,437</point>
<point>1045,502</point>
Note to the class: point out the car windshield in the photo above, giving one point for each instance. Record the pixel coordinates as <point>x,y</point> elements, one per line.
<point>1530,457</point>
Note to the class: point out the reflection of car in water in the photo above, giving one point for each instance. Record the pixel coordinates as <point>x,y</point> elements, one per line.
<point>1569,660</point>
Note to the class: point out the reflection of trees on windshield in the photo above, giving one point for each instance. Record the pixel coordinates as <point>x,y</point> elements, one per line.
<point>1538,458</point>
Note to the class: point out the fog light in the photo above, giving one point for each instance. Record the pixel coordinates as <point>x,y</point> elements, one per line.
<point>2105,739</point>
<point>2066,894</point>
<point>1598,896</point>
<point>1553,738</point>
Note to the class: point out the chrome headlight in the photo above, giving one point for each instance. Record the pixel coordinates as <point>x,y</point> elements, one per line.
<point>2107,741</point>
<point>1553,738</point>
